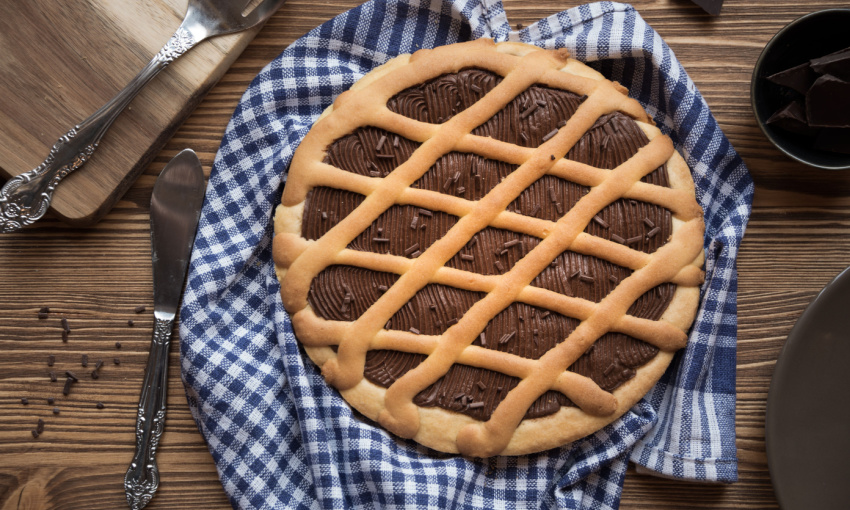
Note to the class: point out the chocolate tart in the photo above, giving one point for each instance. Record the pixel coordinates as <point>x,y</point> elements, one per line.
<point>489,248</point>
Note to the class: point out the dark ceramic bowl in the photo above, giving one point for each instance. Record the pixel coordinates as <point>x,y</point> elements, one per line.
<point>811,36</point>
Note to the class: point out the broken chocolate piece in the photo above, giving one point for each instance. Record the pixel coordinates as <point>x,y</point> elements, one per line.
<point>836,64</point>
<point>710,6</point>
<point>828,103</point>
<point>792,118</point>
<point>798,78</point>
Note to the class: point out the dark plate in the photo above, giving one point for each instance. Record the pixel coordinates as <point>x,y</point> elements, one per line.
<point>808,408</point>
<point>811,36</point>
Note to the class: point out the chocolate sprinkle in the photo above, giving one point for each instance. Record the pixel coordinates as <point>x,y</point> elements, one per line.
<point>602,223</point>
<point>40,426</point>
<point>131,323</point>
<point>117,345</point>
<point>507,337</point>
<point>51,359</point>
<point>71,375</point>
<point>100,405</point>
<point>84,361</point>
<point>65,325</point>
<point>34,434</point>
<point>648,222</point>
<point>24,401</point>
<point>139,309</point>
<point>548,136</point>
<point>67,388</point>
<point>52,376</point>
<point>586,278</point>
<point>116,361</point>
<point>64,336</point>
<point>55,410</point>
<point>617,239</point>
<point>476,405</point>
<point>652,233</point>
<point>51,400</point>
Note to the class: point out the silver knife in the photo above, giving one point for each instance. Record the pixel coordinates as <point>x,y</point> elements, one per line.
<point>175,209</point>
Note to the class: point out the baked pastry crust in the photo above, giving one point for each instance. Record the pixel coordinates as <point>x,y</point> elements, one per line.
<point>340,347</point>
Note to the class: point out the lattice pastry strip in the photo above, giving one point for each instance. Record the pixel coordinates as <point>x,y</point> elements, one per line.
<point>506,430</point>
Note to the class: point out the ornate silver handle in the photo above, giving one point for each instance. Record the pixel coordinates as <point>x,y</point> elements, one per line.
<point>26,197</point>
<point>142,478</point>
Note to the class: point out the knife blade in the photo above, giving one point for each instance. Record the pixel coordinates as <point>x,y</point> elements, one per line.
<point>175,210</point>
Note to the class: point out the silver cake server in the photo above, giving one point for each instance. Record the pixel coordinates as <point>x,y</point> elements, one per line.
<point>175,209</point>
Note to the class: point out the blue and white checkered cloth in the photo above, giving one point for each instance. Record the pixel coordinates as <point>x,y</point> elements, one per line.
<point>282,438</point>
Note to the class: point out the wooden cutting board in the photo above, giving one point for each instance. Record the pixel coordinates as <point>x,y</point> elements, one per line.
<point>62,60</point>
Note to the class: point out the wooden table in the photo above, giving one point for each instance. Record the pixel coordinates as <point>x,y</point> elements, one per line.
<point>797,241</point>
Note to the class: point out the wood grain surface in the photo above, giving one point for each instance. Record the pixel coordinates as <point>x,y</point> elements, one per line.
<point>61,61</point>
<point>798,239</point>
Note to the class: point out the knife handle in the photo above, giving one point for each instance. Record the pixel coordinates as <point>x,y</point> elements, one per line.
<point>142,478</point>
<point>26,197</point>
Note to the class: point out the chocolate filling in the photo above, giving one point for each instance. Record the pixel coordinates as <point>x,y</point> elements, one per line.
<point>344,293</point>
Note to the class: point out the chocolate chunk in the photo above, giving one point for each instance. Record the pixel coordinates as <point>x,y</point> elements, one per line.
<point>792,118</point>
<point>710,6</point>
<point>833,139</point>
<point>828,103</point>
<point>798,78</point>
<point>837,64</point>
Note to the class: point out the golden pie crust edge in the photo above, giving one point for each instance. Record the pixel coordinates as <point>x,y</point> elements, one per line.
<point>437,428</point>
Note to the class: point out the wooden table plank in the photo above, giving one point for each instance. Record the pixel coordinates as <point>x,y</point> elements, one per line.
<point>797,241</point>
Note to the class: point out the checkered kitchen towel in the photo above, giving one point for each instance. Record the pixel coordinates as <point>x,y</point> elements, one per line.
<point>282,438</point>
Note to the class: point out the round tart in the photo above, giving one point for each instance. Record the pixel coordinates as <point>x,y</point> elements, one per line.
<point>489,248</point>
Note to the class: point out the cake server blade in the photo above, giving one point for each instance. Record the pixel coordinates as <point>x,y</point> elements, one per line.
<point>175,210</point>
